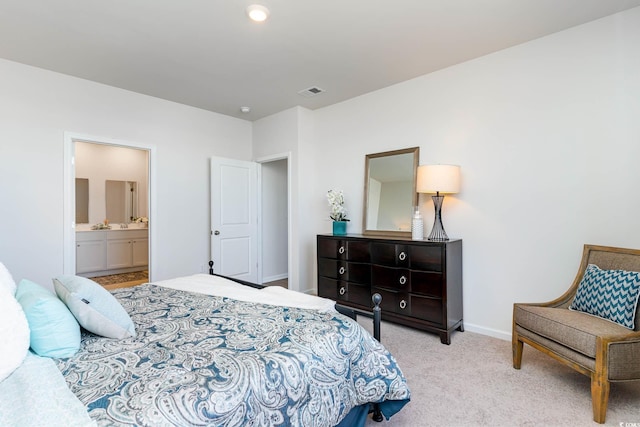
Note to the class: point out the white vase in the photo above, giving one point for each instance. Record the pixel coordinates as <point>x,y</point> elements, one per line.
<point>417,225</point>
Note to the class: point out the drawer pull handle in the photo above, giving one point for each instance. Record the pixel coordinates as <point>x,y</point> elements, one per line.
<point>403,280</point>
<point>341,271</point>
<point>341,250</point>
<point>403,304</point>
<point>402,256</point>
<point>342,290</point>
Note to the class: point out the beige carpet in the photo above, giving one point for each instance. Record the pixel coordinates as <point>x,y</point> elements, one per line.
<point>472,383</point>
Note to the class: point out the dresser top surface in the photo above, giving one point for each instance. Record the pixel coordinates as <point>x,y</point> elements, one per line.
<point>390,238</point>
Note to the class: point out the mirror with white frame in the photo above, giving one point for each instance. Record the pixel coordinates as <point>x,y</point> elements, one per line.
<point>390,192</point>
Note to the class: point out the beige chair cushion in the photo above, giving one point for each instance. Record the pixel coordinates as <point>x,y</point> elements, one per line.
<point>572,329</point>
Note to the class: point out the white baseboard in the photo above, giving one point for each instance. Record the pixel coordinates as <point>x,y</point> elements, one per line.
<point>488,331</point>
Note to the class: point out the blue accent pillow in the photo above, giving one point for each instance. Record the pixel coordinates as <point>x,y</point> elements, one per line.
<point>610,294</point>
<point>54,330</point>
<point>95,308</point>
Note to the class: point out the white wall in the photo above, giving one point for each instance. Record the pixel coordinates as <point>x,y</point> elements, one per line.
<point>291,131</point>
<point>548,137</point>
<point>273,136</point>
<point>38,106</point>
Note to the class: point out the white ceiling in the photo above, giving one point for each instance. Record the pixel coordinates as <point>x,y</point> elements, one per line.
<point>206,53</point>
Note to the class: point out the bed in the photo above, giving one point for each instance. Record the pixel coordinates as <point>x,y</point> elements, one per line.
<point>209,351</point>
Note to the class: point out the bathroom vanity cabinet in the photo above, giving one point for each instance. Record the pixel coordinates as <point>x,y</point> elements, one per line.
<point>104,252</point>
<point>91,251</point>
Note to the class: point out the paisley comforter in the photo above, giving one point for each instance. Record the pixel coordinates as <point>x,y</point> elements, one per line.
<point>207,360</point>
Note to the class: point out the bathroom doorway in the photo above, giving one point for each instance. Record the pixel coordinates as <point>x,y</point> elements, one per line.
<point>114,176</point>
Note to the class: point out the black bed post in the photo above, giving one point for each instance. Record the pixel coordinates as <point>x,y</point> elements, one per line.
<point>377,299</point>
<point>211,267</point>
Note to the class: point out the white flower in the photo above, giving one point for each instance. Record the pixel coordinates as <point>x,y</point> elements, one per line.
<point>336,202</point>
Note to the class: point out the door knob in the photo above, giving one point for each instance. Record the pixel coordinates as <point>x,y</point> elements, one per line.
<point>217,233</point>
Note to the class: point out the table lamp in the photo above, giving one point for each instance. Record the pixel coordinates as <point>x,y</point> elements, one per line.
<point>438,179</point>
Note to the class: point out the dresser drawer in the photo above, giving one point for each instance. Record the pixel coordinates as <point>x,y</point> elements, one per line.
<point>401,279</point>
<point>390,278</point>
<point>332,248</point>
<point>343,291</point>
<point>328,288</point>
<point>351,271</point>
<point>352,250</point>
<point>391,255</point>
<point>426,308</point>
<point>331,268</point>
<point>394,301</point>
<point>427,283</point>
<point>358,251</point>
<point>428,258</point>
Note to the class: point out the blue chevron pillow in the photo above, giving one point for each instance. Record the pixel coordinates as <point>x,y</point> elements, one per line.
<point>610,294</point>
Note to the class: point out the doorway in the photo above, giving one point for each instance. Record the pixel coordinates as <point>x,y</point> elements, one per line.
<point>274,219</point>
<point>120,248</point>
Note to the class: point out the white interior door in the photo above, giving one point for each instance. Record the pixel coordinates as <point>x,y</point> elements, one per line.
<point>234,218</point>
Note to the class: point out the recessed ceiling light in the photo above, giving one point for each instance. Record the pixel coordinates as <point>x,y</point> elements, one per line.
<point>257,12</point>
<point>245,109</point>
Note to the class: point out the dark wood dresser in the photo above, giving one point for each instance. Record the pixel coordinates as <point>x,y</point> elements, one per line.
<point>420,281</point>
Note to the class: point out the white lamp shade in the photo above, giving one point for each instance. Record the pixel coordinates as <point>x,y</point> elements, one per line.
<point>438,178</point>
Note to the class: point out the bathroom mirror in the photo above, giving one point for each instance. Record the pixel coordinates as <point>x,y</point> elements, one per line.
<point>390,192</point>
<point>121,201</point>
<point>82,200</point>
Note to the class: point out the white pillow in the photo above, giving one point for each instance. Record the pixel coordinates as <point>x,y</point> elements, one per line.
<point>94,307</point>
<point>14,334</point>
<point>6,280</point>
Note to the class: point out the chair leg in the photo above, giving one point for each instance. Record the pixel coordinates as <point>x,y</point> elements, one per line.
<point>516,347</point>
<point>599,398</point>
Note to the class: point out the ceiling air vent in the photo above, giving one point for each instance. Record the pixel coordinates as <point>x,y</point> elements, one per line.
<point>311,91</point>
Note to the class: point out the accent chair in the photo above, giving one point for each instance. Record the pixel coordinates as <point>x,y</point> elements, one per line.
<point>594,327</point>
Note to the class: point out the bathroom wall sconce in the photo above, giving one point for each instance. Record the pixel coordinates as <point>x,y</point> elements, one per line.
<point>438,179</point>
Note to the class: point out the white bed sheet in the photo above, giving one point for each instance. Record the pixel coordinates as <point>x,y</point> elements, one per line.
<point>273,295</point>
